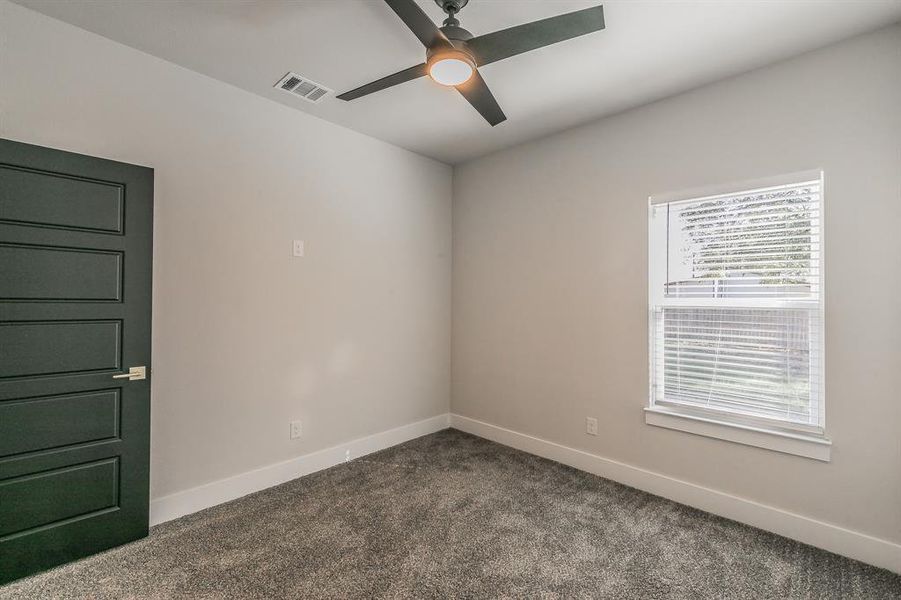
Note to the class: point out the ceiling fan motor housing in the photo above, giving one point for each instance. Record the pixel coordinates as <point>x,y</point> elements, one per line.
<point>458,37</point>
<point>451,6</point>
<point>455,34</point>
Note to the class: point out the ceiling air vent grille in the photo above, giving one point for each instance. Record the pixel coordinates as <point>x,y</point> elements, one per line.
<point>302,87</point>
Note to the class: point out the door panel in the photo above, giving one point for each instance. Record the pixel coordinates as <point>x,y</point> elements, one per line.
<point>55,421</point>
<point>38,500</point>
<point>58,200</point>
<point>48,273</point>
<point>75,285</point>
<point>58,347</point>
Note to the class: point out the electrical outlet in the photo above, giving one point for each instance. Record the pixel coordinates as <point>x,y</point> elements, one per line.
<point>298,248</point>
<point>296,429</point>
<point>591,426</point>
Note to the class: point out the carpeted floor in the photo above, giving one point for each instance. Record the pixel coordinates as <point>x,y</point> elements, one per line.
<point>452,515</point>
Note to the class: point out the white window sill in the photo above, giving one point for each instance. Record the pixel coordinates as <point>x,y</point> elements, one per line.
<point>790,443</point>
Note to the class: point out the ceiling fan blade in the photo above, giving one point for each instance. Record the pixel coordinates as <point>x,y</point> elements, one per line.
<point>386,82</point>
<point>505,43</point>
<point>419,23</point>
<point>476,91</point>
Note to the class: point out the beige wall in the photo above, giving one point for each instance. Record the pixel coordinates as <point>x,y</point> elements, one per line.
<point>550,276</point>
<point>353,339</point>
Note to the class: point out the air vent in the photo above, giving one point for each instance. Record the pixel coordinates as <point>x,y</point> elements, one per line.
<point>302,87</point>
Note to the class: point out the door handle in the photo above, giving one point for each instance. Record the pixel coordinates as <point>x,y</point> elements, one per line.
<point>134,373</point>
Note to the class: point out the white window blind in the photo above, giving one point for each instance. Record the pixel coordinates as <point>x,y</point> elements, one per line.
<point>736,305</point>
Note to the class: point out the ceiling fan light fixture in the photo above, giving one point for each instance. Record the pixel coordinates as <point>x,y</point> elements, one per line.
<point>451,68</point>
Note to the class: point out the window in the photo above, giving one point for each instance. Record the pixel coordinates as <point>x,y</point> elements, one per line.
<point>736,313</point>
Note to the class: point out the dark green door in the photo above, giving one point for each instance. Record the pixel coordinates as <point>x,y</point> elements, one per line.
<point>75,268</point>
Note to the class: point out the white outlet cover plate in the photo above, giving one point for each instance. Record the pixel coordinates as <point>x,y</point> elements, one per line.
<point>298,248</point>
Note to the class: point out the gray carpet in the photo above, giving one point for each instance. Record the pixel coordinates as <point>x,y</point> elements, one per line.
<point>451,515</point>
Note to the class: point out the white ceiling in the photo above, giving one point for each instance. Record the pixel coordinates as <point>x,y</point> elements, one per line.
<point>650,49</point>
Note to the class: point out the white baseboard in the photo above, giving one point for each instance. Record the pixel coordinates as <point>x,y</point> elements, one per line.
<point>853,544</point>
<point>179,504</point>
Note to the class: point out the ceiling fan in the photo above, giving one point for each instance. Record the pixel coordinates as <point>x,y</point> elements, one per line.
<point>453,55</point>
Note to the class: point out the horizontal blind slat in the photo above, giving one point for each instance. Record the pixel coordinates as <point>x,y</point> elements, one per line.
<point>724,203</point>
<point>725,388</point>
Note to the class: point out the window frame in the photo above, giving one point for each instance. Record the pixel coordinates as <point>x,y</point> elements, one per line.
<point>803,440</point>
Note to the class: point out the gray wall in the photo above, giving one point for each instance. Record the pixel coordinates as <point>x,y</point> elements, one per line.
<point>550,276</point>
<point>549,251</point>
<point>353,339</point>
